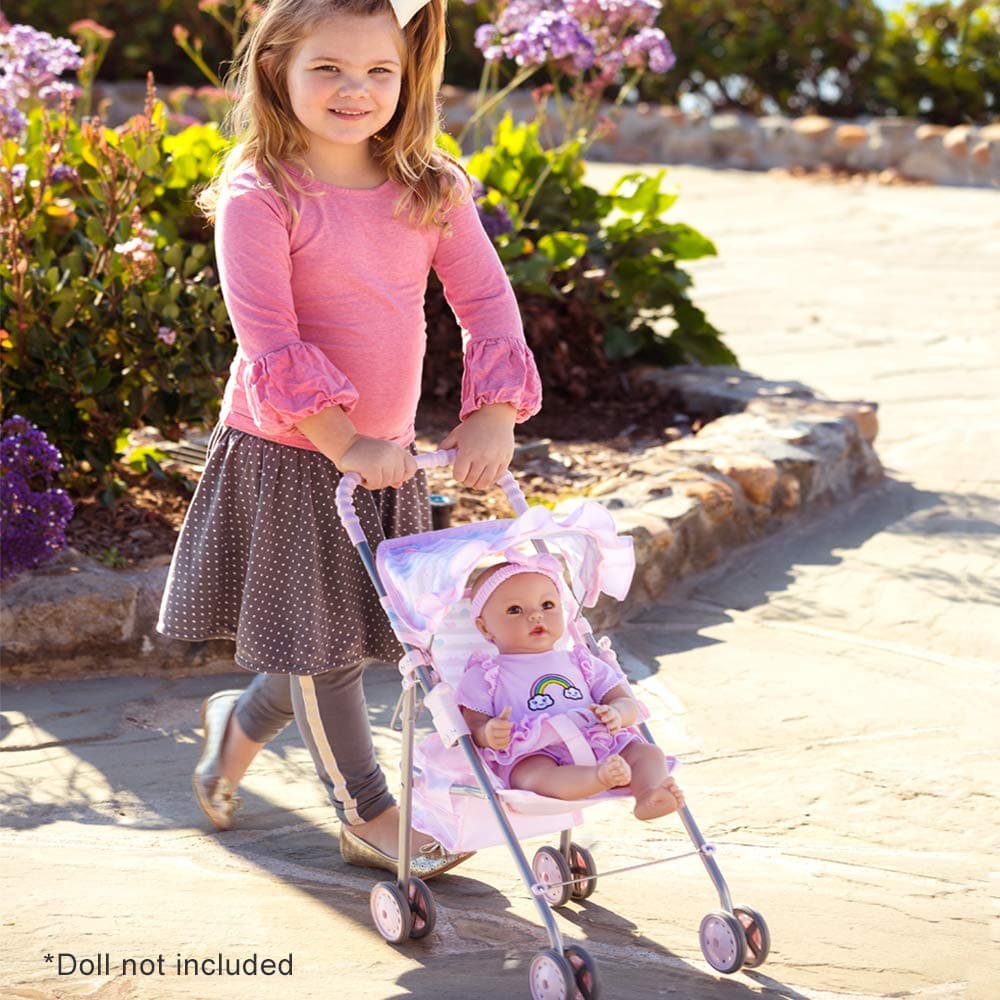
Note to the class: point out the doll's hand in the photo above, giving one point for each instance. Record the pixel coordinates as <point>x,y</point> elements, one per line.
<point>609,715</point>
<point>485,443</point>
<point>497,731</point>
<point>379,463</point>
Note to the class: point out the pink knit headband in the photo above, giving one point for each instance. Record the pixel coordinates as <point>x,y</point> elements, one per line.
<point>516,563</point>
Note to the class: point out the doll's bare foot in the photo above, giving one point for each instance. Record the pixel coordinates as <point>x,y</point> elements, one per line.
<point>614,772</point>
<point>659,801</point>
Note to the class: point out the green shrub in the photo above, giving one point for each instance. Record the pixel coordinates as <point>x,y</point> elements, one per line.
<point>615,251</point>
<point>110,321</point>
<point>792,56</point>
<point>598,276</point>
<point>942,61</point>
<point>143,35</point>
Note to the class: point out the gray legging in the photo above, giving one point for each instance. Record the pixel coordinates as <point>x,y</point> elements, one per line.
<point>332,715</point>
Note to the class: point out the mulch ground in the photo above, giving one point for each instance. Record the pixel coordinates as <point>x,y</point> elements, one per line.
<point>562,453</point>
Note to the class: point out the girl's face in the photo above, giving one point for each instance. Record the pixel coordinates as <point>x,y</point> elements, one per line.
<point>523,615</point>
<point>344,80</point>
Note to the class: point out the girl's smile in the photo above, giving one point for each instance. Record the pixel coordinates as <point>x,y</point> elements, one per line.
<point>344,84</point>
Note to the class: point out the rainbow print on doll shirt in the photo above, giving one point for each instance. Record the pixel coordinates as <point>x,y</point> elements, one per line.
<point>541,698</point>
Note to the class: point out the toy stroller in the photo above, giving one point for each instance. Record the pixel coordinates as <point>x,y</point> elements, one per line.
<point>447,791</point>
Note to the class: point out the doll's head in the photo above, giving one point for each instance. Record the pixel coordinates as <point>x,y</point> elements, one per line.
<point>518,605</point>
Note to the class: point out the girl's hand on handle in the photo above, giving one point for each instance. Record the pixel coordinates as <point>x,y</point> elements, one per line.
<point>379,463</point>
<point>485,444</point>
<point>497,731</point>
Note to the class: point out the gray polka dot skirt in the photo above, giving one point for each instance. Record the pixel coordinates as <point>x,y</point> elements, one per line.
<point>263,559</point>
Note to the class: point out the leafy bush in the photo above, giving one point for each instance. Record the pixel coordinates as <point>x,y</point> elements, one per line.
<point>793,56</point>
<point>597,276</point>
<point>938,60</point>
<point>143,35</point>
<point>942,61</point>
<point>34,512</point>
<point>110,320</point>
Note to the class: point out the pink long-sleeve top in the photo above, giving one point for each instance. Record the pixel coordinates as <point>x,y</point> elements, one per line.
<point>328,308</point>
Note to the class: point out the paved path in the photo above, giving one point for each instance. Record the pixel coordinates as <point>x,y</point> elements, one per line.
<point>832,692</point>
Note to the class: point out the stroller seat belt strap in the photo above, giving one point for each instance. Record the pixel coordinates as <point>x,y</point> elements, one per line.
<point>573,739</point>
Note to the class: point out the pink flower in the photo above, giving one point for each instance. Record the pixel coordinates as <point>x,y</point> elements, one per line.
<point>167,335</point>
<point>88,26</point>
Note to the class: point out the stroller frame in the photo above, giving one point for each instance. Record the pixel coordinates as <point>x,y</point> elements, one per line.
<point>731,938</point>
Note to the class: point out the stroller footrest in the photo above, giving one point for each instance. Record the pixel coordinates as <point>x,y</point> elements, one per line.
<point>448,718</point>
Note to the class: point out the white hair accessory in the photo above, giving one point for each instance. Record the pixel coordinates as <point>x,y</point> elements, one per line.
<point>405,9</point>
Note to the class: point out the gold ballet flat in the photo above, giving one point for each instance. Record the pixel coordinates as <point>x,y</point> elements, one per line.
<point>430,861</point>
<point>214,793</point>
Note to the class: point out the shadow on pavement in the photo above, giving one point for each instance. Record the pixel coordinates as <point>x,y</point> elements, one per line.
<point>122,751</point>
<point>754,575</point>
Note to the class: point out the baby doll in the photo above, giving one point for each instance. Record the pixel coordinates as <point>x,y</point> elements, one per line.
<point>507,699</point>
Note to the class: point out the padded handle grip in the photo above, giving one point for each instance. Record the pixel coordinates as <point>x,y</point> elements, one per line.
<point>350,481</point>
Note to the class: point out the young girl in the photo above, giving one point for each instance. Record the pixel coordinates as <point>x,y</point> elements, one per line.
<point>330,213</point>
<point>507,700</point>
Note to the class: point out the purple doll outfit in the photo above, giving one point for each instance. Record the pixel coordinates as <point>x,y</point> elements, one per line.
<point>538,686</point>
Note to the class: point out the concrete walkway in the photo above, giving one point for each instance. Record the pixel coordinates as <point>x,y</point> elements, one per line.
<point>832,692</point>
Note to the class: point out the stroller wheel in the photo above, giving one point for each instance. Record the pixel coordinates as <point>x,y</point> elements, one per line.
<point>422,909</point>
<point>391,912</point>
<point>757,935</point>
<point>588,986</point>
<point>551,977</point>
<point>581,863</point>
<point>551,871</point>
<point>723,942</point>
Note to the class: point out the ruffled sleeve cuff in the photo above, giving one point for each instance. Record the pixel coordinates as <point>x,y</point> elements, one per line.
<point>478,684</point>
<point>500,370</point>
<point>292,383</point>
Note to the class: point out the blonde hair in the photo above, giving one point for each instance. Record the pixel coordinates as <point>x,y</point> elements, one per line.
<point>269,136</point>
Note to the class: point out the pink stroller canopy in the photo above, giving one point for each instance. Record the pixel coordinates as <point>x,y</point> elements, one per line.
<point>424,575</point>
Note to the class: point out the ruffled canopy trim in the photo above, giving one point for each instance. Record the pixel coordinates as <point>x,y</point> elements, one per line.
<point>294,382</point>
<point>500,370</point>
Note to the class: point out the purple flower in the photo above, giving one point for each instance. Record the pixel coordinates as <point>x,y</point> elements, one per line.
<point>533,31</point>
<point>616,16</point>
<point>167,335</point>
<point>12,122</point>
<point>63,172</point>
<point>33,512</point>
<point>18,175</point>
<point>578,35</point>
<point>649,48</point>
<point>31,64</point>
<point>496,219</point>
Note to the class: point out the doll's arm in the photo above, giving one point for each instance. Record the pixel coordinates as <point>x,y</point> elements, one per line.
<point>618,709</point>
<point>493,732</point>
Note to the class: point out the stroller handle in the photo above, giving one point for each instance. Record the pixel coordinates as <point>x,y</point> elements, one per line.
<point>350,481</point>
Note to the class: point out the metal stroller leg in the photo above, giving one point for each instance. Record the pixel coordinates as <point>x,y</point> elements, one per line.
<point>704,850</point>
<point>705,853</point>
<point>548,919</point>
<point>409,719</point>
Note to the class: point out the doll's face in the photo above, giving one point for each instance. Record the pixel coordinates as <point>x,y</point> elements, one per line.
<point>523,615</point>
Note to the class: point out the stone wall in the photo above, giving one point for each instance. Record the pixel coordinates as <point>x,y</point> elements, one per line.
<point>771,451</point>
<point>646,133</point>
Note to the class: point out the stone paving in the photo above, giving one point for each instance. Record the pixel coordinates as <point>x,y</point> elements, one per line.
<point>831,691</point>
